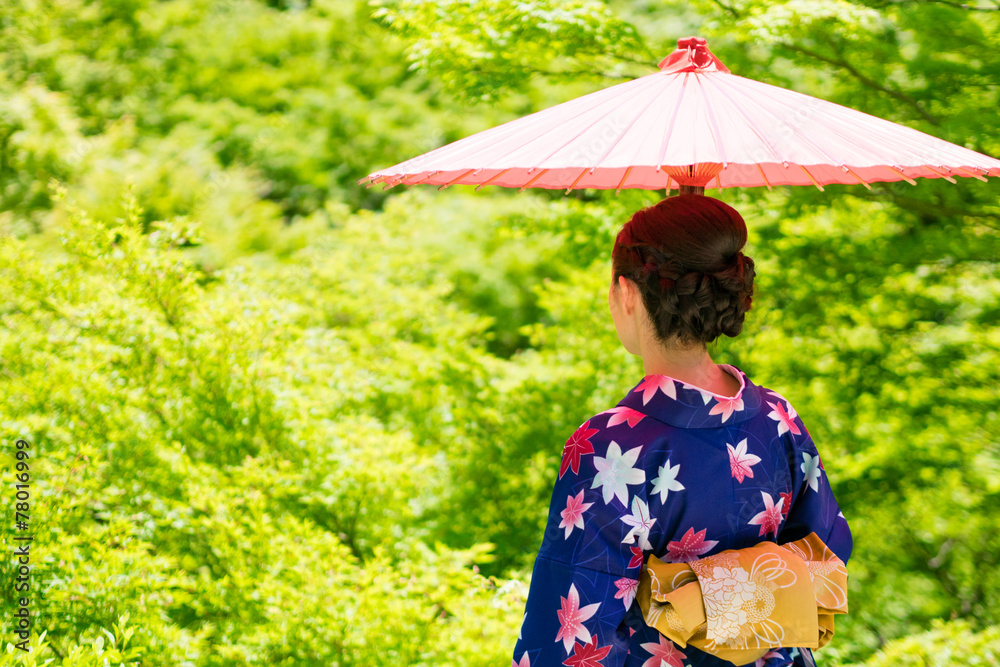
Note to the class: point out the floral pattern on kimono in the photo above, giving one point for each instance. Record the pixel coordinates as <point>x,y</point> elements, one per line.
<point>678,472</point>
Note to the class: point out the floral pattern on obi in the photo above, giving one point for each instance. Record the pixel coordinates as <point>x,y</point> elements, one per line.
<point>740,603</point>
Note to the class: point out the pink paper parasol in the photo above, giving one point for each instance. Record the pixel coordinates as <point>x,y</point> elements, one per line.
<point>691,124</point>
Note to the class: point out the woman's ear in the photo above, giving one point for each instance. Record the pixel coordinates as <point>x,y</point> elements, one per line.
<point>627,293</point>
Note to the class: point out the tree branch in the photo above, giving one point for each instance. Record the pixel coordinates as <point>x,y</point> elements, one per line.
<point>566,73</point>
<point>865,80</point>
<point>958,5</point>
<point>732,10</point>
<point>923,206</point>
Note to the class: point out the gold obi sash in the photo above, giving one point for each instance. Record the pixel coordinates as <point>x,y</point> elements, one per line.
<point>739,604</point>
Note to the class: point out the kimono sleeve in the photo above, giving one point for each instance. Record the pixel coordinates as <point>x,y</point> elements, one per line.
<point>587,570</point>
<point>814,507</point>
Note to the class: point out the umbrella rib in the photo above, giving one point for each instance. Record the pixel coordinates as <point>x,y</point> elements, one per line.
<point>493,178</point>
<point>915,146</point>
<point>901,134</point>
<point>629,126</point>
<point>532,181</point>
<point>670,127</point>
<point>516,126</point>
<point>794,130</point>
<point>852,173</point>
<point>941,174</point>
<point>805,140</point>
<point>582,112</point>
<point>842,136</point>
<point>753,127</point>
<point>766,182</point>
<point>808,141</point>
<point>427,177</point>
<point>803,167</point>
<point>848,139</point>
<point>573,184</point>
<point>456,179</point>
<point>713,127</point>
<point>421,180</point>
<point>393,182</point>
<point>621,183</point>
<point>974,175</point>
<point>577,136</point>
<point>905,177</point>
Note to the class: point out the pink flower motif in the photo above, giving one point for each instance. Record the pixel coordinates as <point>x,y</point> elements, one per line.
<point>636,557</point>
<point>663,651</point>
<point>626,590</point>
<point>786,502</point>
<point>770,518</point>
<point>651,383</point>
<point>524,661</point>
<point>740,461</point>
<point>571,618</point>
<point>727,406</point>
<point>690,547</point>
<point>588,655</point>
<point>767,656</point>
<point>577,445</point>
<point>785,418</point>
<point>622,414</point>
<point>572,516</point>
<point>774,393</point>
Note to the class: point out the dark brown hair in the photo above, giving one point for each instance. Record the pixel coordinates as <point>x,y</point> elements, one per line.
<point>685,255</point>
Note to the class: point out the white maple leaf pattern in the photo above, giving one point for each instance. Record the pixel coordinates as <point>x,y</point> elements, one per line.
<point>666,481</point>
<point>810,466</point>
<point>641,522</point>
<point>706,396</point>
<point>615,471</point>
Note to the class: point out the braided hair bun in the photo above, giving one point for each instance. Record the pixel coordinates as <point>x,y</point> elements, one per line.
<point>685,255</point>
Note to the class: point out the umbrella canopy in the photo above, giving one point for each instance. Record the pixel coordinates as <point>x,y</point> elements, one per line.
<point>693,123</point>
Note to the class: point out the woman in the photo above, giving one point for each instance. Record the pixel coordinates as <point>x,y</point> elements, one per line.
<point>694,460</point>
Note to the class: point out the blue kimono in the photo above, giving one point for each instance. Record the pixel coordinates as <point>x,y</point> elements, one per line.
<point>679,472</point>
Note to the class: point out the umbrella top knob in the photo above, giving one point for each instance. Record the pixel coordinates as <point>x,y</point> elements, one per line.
<point>692,55</point>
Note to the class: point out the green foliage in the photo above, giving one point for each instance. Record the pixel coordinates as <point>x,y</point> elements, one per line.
<point>278,418</point>
<point>943,645</point>
<point>479,48</point>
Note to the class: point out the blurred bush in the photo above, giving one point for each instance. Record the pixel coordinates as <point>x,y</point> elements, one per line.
<point>278,418</point>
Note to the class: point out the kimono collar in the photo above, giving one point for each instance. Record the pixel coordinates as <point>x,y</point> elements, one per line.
<point>684,405</point>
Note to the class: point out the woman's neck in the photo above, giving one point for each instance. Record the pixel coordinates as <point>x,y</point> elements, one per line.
<point>693,366</point>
